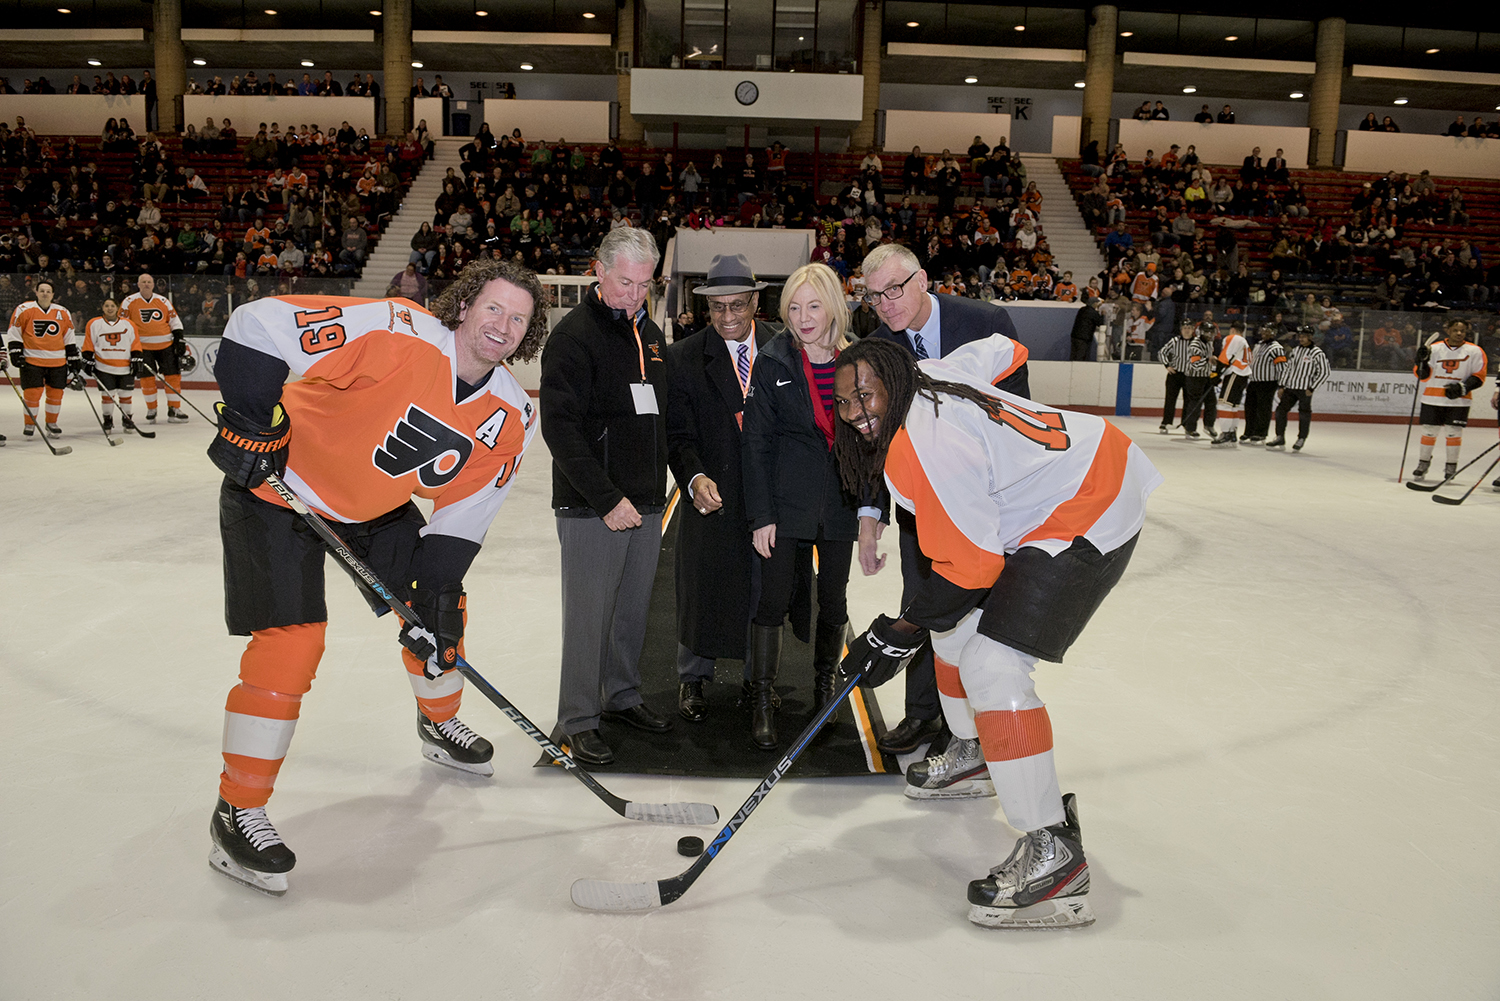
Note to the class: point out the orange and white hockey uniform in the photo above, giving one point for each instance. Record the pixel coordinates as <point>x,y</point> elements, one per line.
<point>44,334</point>
<point>154,319</point>
<point>1449,366</point>
<point>111,344</point>
<point>1234,355</point>
<point>1144,287</point>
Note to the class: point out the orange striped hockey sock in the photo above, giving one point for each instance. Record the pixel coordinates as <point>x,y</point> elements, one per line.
<point>260,715</point>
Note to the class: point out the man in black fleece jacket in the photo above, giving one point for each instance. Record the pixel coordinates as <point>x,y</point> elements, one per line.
<point>603,400</point>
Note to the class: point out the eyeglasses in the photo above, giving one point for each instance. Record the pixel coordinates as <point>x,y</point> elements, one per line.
<point>736,306</point>
<point>893,293</point>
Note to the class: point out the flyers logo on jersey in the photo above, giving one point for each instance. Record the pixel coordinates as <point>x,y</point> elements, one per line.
<point>423,444</point>
<point>44,328</point>
<point>149,315</point>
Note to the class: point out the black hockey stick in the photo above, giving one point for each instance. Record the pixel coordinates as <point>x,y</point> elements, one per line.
<point>602,895</point>
<point>1459,500</point>
<point>42,431</point>
<point>181,395</point>
<point>1410,421</point>
<point>1429,488</point>
<point>656,813</point>
<point>85,390</point>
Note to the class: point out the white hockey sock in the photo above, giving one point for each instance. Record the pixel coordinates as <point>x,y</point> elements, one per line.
<point>1231,425</point>
<point>947,650</point>
<point>1455,442</point>
<point>1429,440</point>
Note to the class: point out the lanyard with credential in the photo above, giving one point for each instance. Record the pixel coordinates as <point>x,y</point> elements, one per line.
<point>640,349</point>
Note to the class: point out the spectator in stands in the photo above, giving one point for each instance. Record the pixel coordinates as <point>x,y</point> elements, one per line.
<point>1118,244</point>
<point>410,284</point>
<point>1088,160</point>
<point>1204,116</point>
<point>1160,113</point>
<point>914,172</point>
<point>1251,168</point>
<point>1369,124</point>
<point>1388,124</point>
<point>1276,168</point>
<point>1226,117</point>
<point>352,246</point>
<point>1458,128</point>
<point>1457,214</point>
<point>1143,113</point>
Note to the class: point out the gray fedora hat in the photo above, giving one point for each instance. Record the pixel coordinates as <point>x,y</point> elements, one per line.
<point>729,274</point>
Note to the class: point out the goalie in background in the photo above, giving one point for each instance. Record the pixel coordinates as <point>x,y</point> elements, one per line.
<point>1030,516</point>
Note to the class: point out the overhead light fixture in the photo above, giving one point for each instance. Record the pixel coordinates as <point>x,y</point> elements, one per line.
<point>95,62</point>
<point>415,65</point>
<point>1080,85</point>
<point>1430,52</point>
<point>912,24</point>
<point>200,62</point>
<point>64,10</point>
<point>800,38</point>
<point>1399,100</point>
<point>271,12</point>
<point>377,13</point>
<point>971,79</point>
<point>307,62</point>
<point>1190,90</point>
<point>1020,27</point>
<point>1296,94</point>
<point>1231,38</point>
<point>526,66</point>
<point>588,15</point>
<point>481,13</point>
<point>1126,34</point>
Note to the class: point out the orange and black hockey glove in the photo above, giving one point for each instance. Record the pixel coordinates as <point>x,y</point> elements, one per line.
<point>247,452</point>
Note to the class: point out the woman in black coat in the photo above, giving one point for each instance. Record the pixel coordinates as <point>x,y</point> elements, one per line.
<point>792,489</point>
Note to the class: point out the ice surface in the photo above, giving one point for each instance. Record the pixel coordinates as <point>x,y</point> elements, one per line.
<point>1282,729</point>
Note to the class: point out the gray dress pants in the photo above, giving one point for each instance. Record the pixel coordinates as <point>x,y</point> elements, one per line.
<point>606,591</point>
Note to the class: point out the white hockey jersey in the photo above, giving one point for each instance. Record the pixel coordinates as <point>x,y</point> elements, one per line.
<point>1450,365</point>
<point>111,344</point>
<point>1234,355</point>
<point>985,481</point>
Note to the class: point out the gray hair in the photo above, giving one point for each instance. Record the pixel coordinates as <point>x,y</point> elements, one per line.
<point>886,253</point>
<point>628,243</point>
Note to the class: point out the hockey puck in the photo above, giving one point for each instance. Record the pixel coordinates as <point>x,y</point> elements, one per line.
<point>690,846</point>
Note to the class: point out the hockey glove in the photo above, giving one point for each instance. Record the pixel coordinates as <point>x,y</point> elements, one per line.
<point>17,356</point>
<point>245,451</point>
<point>179,346</point>
<point>75,360</point>
<point>138,369</point>
<point>1453,390</point>
<point>442,613</point>
<point>1424,352</point>
<point>1424,371</point>
<point>880,652</point>
<point>90,367</point>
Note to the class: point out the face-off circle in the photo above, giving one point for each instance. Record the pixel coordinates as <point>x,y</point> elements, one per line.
<point>690,846</point>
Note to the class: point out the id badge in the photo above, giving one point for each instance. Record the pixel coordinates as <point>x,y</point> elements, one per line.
<point>645,398</point>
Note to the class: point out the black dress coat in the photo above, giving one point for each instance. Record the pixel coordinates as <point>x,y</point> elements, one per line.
<point>714,555</point>
<point>963,320</point>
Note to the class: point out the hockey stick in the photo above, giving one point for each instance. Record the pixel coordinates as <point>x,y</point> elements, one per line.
<point>1455,502</point>
<point>85,390</point>
<point>1410,421</point>
<point>1414,485</point>
<point>656,813</point>
<point>181,395</point>
<point>602,895</point>
<point>40,430</point>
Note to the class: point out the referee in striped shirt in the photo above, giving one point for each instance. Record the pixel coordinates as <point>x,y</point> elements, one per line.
<point>1304,371</point>
<point>1266,359</point>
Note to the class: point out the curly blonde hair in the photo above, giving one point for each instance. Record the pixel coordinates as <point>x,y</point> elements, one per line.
<point>474,277</point>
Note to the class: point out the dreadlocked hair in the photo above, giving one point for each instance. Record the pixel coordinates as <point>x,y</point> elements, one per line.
<point>862,463</point>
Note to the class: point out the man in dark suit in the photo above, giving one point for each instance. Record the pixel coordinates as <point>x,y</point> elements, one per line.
<point>717,573</point>
<point>930,326</point>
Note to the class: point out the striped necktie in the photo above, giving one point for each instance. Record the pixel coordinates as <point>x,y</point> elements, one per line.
<point>744,364</point>
<point>919,347</point>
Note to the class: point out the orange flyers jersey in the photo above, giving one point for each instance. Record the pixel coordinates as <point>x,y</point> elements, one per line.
<point>1143,289</point>
<point>985,481</point>
<point>154,318</point>
<point>1065,292</point>
<point>44,333</point>
<point>1450,365</point>
<point>374,417</point>
<point>111,344</point>
<point>1235,355</point>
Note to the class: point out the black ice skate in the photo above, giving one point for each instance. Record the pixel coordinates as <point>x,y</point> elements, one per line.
<point>151,417</point>
<point>1164,429</point>
<point>1419,471</point>
<point>958,773</point>
<point>1192,435</point>
<point>176,416</point>
<point>1042,884</point>
<point>54,430</point>
<point>1297,445</point>
<point>108,423</point>
<point>1277,442</point>
<point>1226,440</point>
<point>452,744</point>
<point>2,441</point>
<point>28,431</point>
<point>1450,470</point>
<point>248,850</point>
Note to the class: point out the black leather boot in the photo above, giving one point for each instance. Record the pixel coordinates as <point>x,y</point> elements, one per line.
<point>828,650</point>
<point>765,644</point>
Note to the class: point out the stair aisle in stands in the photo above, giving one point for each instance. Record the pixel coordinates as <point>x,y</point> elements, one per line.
<point>390,255</point>
<point>1072,244</point>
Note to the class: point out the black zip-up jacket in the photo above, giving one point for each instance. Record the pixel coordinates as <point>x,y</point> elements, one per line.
<point>602,450</point>
<point>791,478</point>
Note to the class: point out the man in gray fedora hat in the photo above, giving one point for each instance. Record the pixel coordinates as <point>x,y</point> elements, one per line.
<point>716,569</point>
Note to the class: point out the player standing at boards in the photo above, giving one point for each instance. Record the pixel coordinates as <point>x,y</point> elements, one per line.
<point>1448,372</point>
<point>112,354</point>
<point>43,347</point>
<point>164,343</point>
<point>1303,372</point>
<point>1030,517</point>
<point>1234,356</point>
<point>391,401</point>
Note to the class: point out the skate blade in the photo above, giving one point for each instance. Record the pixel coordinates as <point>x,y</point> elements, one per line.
<point>441,757</point>
<point>1063,912</point>
<point>967,789</point>
<point>272,883</point>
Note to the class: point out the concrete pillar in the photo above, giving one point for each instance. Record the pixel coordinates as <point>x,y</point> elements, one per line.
<point>863,135</point>
<point>632,132</point>
<point>1099,78</point>
<point>1327,91</point>
<point>395,43</point>
<point>171,63</point>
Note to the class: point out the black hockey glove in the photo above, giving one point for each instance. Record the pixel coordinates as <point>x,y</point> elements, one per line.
<point>880,652</point>
<point>138,369</point>
<point>1424,371</point>
<point>1424,352</point>
<point>179,346</point>
<point>90,367</point>
<point>17,355</point>
<point>442,613</point>
<point>246,452</point>
<point>1453,390</point>
<point>75,360</point>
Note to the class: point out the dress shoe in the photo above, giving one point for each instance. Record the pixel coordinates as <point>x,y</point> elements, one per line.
<point>910,734</point>
<point>691,705</point>
<point>639,716</point>
<point>586,748</point>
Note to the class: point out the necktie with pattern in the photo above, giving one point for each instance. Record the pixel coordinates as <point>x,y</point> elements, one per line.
<point>920,348</point>
<point>744,364</point>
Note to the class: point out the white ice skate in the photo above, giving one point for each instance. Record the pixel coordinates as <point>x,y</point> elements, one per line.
<point>958,773</point>
<point>1042,884</point>
<point>454,745</point>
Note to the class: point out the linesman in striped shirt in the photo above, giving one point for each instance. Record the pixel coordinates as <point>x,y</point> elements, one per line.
<point>1304,371</point>
<point>1266,359</point>
<point>1192,355</point>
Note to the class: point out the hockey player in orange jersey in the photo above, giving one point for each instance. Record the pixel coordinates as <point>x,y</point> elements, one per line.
<point>1030,516</point>
<point>388,401</point>
<point>164,343</point>
<point>43,348</point>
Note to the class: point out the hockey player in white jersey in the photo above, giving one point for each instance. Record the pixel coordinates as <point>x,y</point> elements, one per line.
<point>113,355</point>
<point>1234,359</point>
<point>1448,372</point>
<point>1030,516</point>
